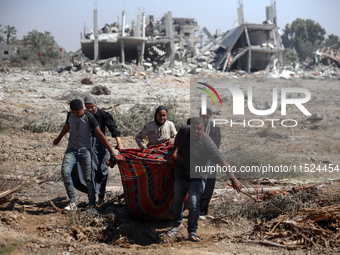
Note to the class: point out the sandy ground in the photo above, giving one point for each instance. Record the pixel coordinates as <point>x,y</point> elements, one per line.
<point>29,224</point>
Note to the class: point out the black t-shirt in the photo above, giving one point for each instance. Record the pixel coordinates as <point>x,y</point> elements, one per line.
<point>105,119</point>
<point>194,155</point>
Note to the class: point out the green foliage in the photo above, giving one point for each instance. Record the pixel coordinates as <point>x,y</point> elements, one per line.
<point>2,38</point>
<point>23,56</point>
<point>305,36</point>
<point>9,31</point>
<point>39,42</point>
<point>333,41</point>
<point>290,55</point>
<point>37,47</point>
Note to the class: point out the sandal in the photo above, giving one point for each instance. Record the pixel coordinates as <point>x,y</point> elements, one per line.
<point>194,237</point>
<point>174,231</point>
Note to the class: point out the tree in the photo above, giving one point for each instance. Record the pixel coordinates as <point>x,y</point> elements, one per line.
<point>40,43</point>
<point>305,36</point>
<point>290,55</point>
<point>2,38</point>
<point>14,41</point>
<point>9,31</point>
<point>333,41</point>
<point>39,47</point>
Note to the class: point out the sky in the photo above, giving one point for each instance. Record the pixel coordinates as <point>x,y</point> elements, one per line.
<point>66,19</point>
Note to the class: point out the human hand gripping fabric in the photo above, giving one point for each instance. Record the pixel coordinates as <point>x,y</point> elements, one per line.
<point>112,161</point>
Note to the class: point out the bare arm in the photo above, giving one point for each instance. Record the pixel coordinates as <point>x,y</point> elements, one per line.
<point>140,136</point>
<point>63,132</point>
<point>119,145</point>
<point>104,141</point>
<point>234,182</point>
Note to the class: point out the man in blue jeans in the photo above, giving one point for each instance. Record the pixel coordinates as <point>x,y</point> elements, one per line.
<point>80,123</point>
<point>193,149</point>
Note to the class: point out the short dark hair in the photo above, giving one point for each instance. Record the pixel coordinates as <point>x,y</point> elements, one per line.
<point>208,111</point>
<point>197,121</point>
<point>76,105</point>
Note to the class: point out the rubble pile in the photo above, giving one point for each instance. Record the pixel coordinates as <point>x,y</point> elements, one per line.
<point>191,66</point>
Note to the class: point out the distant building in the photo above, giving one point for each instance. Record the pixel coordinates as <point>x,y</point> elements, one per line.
<point>186,28</point>
<point>155,41</point>
<point>6,51</point>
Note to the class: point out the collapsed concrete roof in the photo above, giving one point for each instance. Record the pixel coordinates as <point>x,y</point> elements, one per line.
<point>248,47</point>
<point>155,41</point>
<point>328,54</point>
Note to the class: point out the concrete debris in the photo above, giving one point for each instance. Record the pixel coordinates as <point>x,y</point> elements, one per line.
<point>248,47</point>
<point>101,90</point>
<point>169,47</point>
<point>328,56</point>
<point>315,117</point>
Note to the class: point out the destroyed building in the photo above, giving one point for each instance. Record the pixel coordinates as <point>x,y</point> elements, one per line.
<point>328,56</point>
<point>248,47</point>
<point>186,29</point>
<point>6,51</point>
<point>172,42</point>
<point>156,42</point>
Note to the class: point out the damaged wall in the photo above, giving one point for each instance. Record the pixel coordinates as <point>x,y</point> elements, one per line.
<point>6,51</point>
<point>248,47</point>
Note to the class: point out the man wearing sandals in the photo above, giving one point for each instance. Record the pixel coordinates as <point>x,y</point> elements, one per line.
<point>193,148</point>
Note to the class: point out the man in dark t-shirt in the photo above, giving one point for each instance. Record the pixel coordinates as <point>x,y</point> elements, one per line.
<point>215,134</point>
<point>80,123</point>
<point>193,149</point>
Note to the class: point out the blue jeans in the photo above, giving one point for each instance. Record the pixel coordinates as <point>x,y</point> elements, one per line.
<point>70,159</point>
<point>195,188</point>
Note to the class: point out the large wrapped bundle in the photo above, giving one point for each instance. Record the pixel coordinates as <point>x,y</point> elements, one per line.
<point>148,181</point>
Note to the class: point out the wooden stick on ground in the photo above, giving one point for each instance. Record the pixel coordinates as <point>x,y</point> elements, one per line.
<point>268,243</point>
<point>245,193</point>
<point>10,191</point>
<point>54,206</point>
